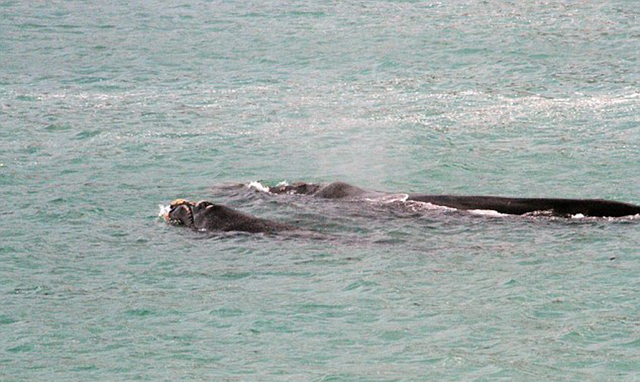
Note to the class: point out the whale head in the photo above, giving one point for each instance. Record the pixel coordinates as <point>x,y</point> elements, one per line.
<point>180,213</point>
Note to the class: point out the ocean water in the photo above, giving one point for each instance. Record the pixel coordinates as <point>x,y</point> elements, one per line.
<point>109,109</point>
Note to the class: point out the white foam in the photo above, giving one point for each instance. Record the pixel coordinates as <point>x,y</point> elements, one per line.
<point>577,216</point>
<point>492,213</point>
<point>419,206</point>
<point>258,186</point>
<point>284,183</point>
<point>391,198</point>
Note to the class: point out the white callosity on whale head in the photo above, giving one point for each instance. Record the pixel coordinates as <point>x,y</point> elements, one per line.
<point>164,211</point>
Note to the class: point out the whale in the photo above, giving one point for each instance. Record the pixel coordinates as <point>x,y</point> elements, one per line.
<point>207,216</point>
<point>501,204</point>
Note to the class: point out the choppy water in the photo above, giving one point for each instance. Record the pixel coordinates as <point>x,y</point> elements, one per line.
<point>108,109</point>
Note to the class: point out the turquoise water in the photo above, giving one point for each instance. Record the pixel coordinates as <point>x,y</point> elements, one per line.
<point>108,109</point>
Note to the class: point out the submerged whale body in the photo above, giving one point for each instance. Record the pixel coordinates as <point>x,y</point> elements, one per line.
<point>207,216</point>
<point>505,205</point>
<point>334,190</point>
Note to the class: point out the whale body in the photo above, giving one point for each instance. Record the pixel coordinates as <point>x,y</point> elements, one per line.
<point>521,206</point>
<point>501,204</point>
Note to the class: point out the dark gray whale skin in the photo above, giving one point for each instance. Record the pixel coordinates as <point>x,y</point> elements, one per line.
<point>505,205</point>
<point>521,206</point>
<point>334,190</point>
<point>207,216</point>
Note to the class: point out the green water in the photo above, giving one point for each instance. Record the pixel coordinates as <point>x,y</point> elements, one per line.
<point>108,109</point>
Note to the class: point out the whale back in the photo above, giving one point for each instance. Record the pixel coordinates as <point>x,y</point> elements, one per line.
<point>521,206</point>
<point>339,190</point>
<point>214,217</point>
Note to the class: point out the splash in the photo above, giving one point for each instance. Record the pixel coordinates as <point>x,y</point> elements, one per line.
<point>388,199</point>
<point>490,213</point>
<point>424,206</point>
<point>258,186</point>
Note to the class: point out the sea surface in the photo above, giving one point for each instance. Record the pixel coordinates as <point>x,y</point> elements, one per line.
<point>109,109</point>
